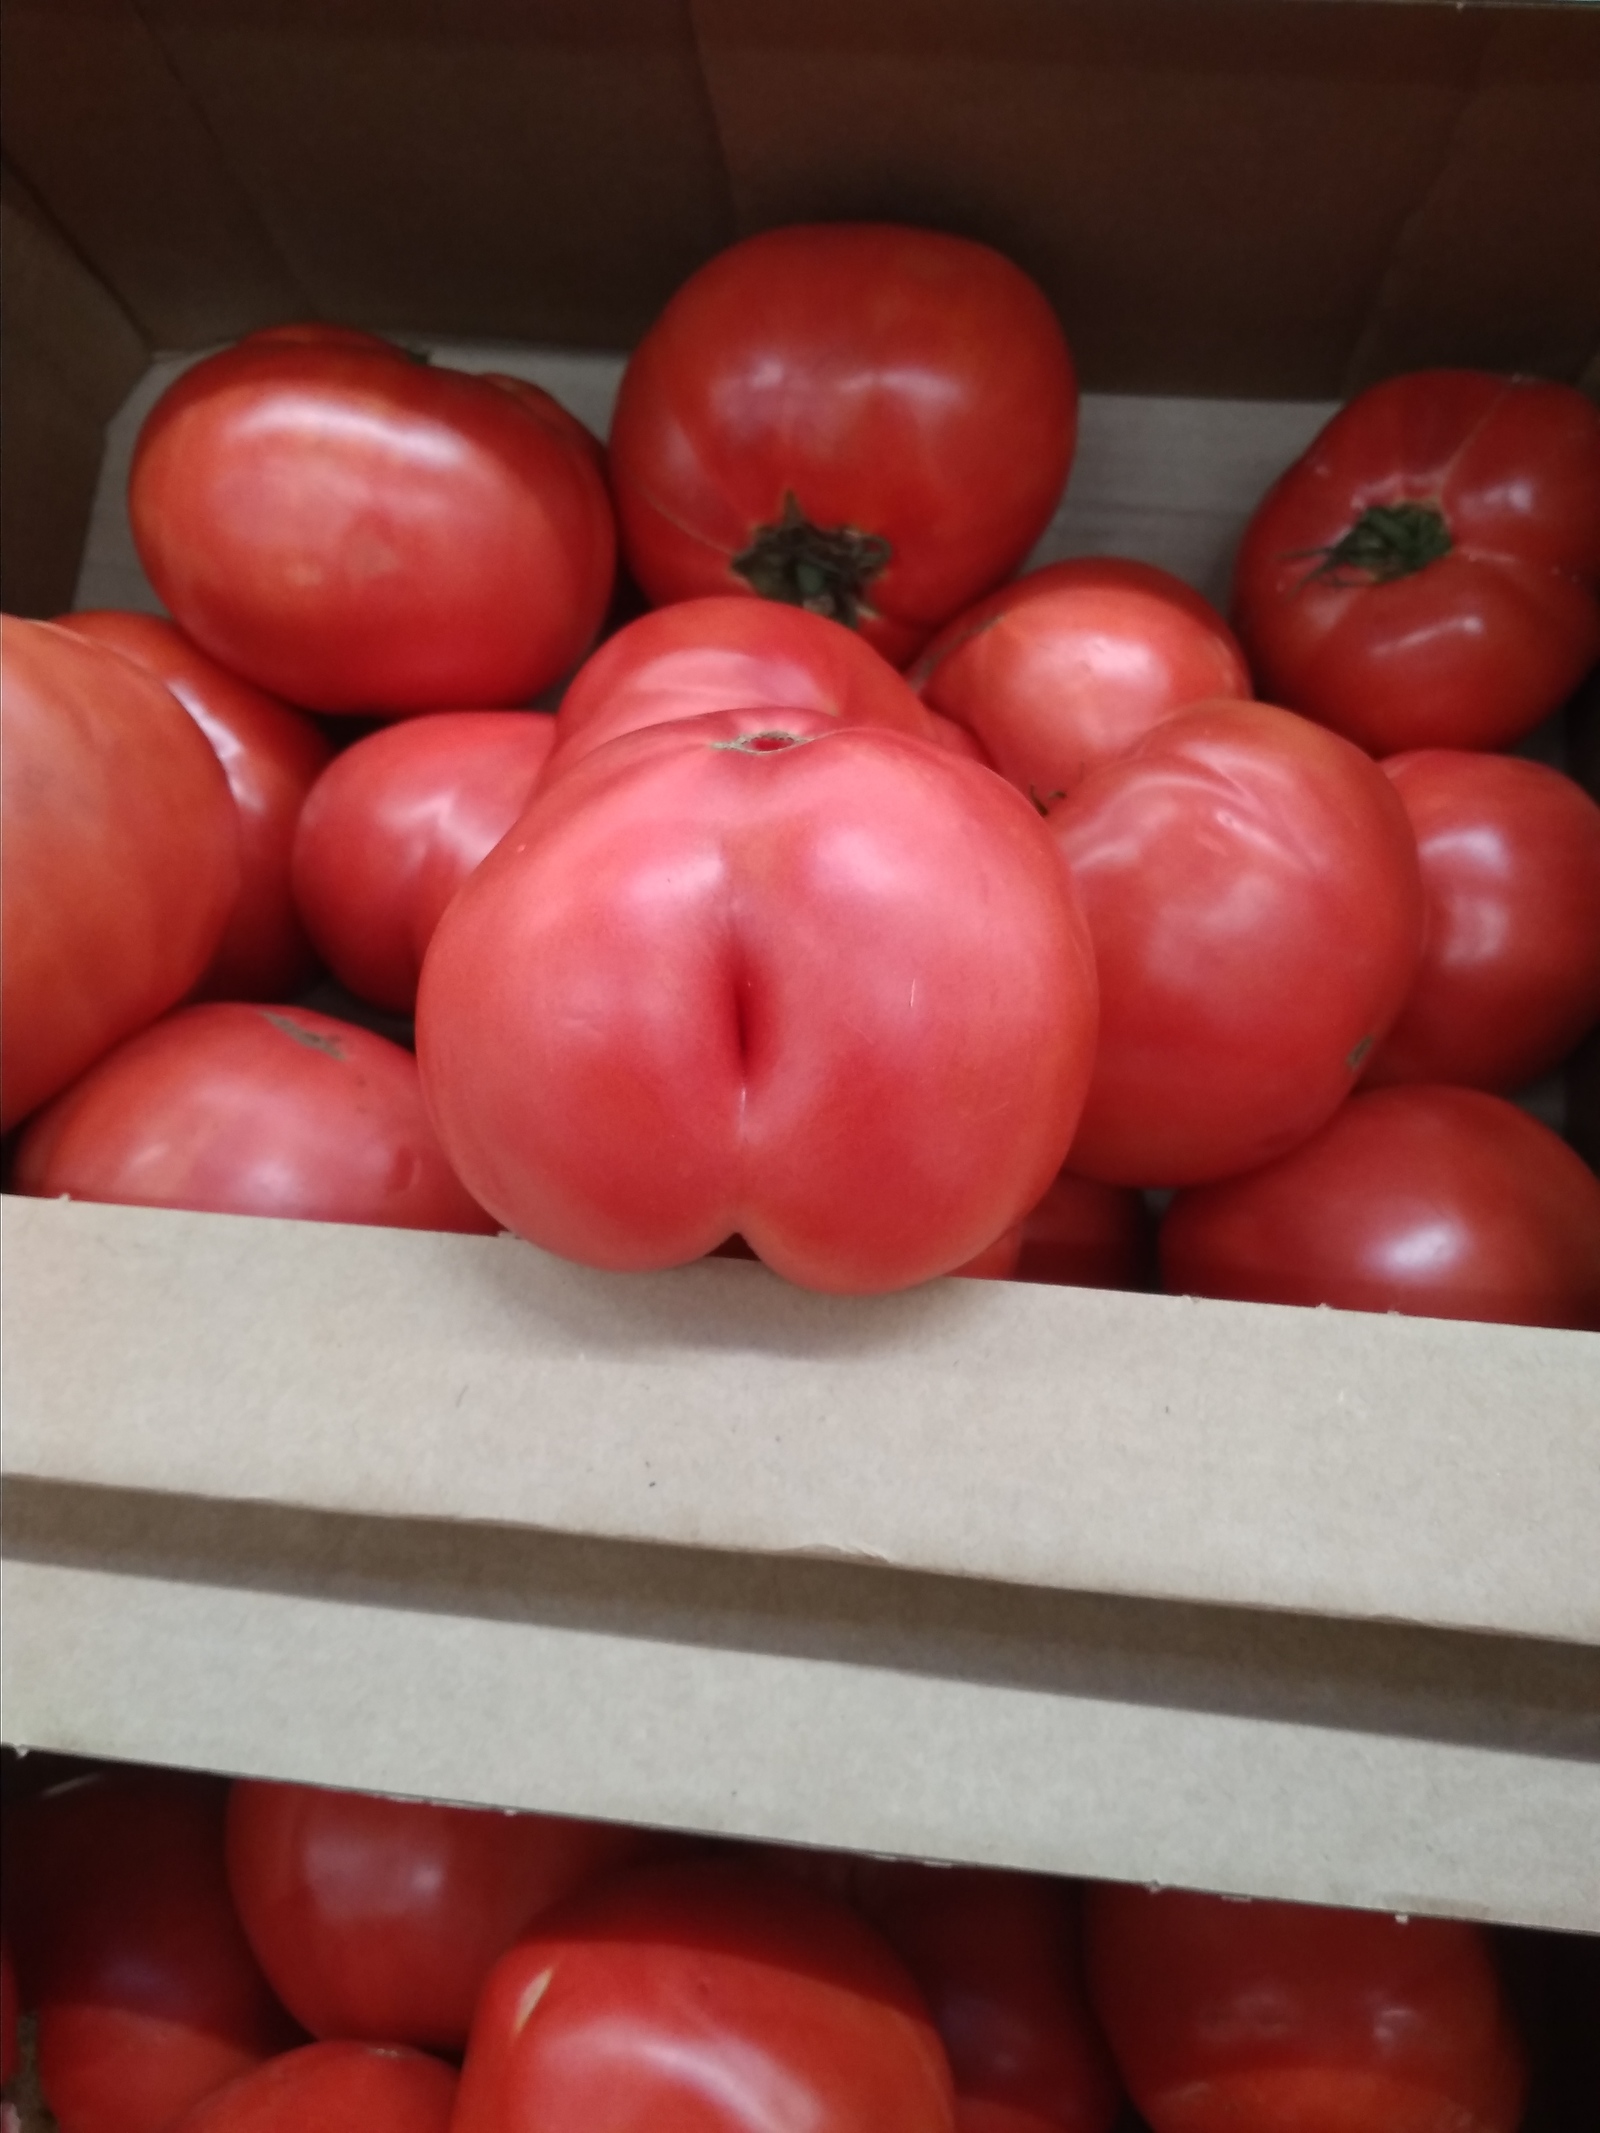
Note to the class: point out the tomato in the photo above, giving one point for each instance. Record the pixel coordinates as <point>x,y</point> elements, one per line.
<point>1234,2017</point>
<point>1065,669</point>
<point>732,655</point>
<point>1087,1235</point>
<point>359,532</point>
<point>146,1993</point>
<point>1510,973</point>
<point>121,856</point>
<point>1443,1203</point>
<point>272,756</point>
<point>1251,884</point>
<point>395,825</point>
<point>702,1997</point>
<point>546,408</point>
<point>379,1919</point>
<point>333,2088</point>
<point>868,421</point>
<point>824,987</point>
<point>1428,574</point>
<point>251,1111</point>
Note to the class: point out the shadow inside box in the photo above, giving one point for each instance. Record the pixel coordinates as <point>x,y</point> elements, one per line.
<point>1445,1686</point>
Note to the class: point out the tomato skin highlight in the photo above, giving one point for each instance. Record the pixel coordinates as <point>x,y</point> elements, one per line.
<point>394,826</point>
<point>271,756</point>
<point>703,1998</point>
<point>1474,648</point>
<point>230,1108</point>
<point>1438,1202</point>
<point>901,387</point>
<point>822,987</point>
<point>378,1920</point>
<point>333,2088</point>
<point>1510,973</point>
<point>358,532</point>
<point>1234,851</point>
<point>1071,665</point>
<point>1235,2017</point>
<point>121,856</point>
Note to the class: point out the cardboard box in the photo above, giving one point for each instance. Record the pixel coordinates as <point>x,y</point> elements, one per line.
<point>1268,1601</point>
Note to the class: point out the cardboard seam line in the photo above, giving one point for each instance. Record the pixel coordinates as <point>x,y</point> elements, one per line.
<point>29,200</point>
<point>714,116</point>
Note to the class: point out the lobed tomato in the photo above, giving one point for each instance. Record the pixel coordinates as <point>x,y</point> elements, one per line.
<point>250,1110</point>
<point>1510,972</point>
<point>868,421</point>
<point>1439,1202</point>
<point>356,531</point>
<point>1428,574</point>
<point>1234,2017</point>
<point>394,826</point>
<point>1067,668</point>
<point>271,756</point>
<point>379,1919</point>
<point>703,1997</point>
<point>333,2088</point>
<point>120,853</point>
<point>1251,885</point>
<point>824,987</point>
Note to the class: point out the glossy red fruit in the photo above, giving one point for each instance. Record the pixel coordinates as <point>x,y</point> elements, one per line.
<point>1087,1235</point>
<point>1069,666</point>
<point>120,851</point>
<point>272,756</point>
<point>393,828</point>
<point>1442,1203</point>
<point>333,2088</point>
<point>379,1919</point>
<point>1510,972</point>
<point>244,1110</point>
<point>869,421</point>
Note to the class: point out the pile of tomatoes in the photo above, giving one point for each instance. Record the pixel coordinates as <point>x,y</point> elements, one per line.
<point>863,905</point>
<point>195,1957</point>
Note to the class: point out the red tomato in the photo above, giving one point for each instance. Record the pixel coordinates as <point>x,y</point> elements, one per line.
<point>546,408</point>
<point>333,2088</point>
<point>1428,575</point>
<point>868,421</point>
<point>380,1919</point>
<point>731,655</point>
<point>1510,974</point>
<point>1442,1203</point>
<point>146,1992</point>
<point>359,532</point>
<point>1068,667</point>
<point>1088,1235</point>
<point>703,1998</point>
<point>272,757</point>
<point>1251,884</point>
<point>823,987</point>
<point>251,1111</point>
<point>121,856</point>
<point>395,825</point>
<point>1233,2017</point>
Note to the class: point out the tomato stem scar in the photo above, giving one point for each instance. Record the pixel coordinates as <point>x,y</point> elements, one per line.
<point>825,569</point>
<point>1387,541</point>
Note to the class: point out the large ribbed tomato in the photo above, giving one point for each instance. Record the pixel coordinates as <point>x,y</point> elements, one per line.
<point>869,421</point>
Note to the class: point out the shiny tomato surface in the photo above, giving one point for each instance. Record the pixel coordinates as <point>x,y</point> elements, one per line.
<point>1252,888</point>
<point>1088,1235</point>
<point>272,756</point>
<point>823,987</point>
<point>1234,2017</point>
<point>727,654</point>
<point>705,1997</point>
<point>1067,668</point>
<point>1510,972</point>
<point>1428,574</point>
<point>1439,1202</point>
<point>356,531</point>
<point>120,850</point>
<point>869,421</point>
<point>146,1992</point>
<point>246,1110</point>
<point>395,825</point>
<point>379,1919</point>
<point>333,2088</point>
